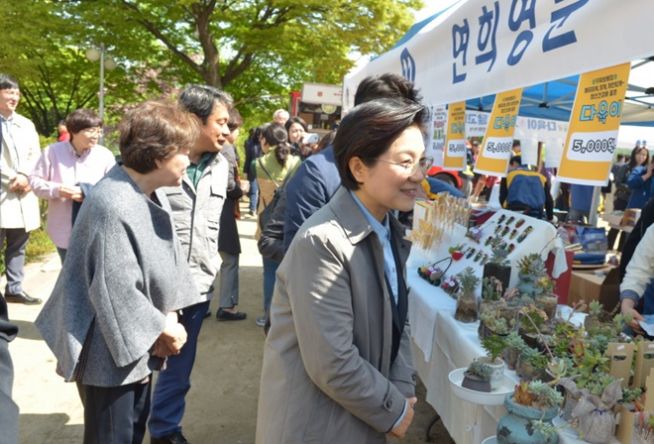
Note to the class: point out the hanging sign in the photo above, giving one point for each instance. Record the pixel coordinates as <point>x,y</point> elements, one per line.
<point>498,140</point>
<point>439,122</point>
<point>455,139</point>
<point>593,131</point>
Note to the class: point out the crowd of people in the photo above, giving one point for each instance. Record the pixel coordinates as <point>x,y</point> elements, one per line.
<point>144,238</point>
<point>148,238</point>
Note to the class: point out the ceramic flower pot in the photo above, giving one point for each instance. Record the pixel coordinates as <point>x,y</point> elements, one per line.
<point>497,377</point>
<point>516,427</point>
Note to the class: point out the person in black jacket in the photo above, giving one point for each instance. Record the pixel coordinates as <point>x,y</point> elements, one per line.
<point>271,243</point>
<point>8,409</point>
<point>252,152</point>
<point>229,245</point>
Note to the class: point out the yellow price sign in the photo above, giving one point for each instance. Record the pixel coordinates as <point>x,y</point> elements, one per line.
<point>455,139</point>
<point>594,123</point>
<point>498,139</point>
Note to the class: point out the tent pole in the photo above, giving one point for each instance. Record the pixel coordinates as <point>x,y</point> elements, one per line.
<point>594,203</point>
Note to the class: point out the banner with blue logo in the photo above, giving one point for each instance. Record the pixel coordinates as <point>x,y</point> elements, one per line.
<point>481,47</point>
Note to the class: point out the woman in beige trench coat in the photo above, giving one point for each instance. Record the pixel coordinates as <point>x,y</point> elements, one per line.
<point>337,366</point>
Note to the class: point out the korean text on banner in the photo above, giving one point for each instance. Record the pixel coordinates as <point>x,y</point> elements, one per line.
<point>455,139</point>
<point>439,120</point>
<point>498,140</point>
<point>593,130</point>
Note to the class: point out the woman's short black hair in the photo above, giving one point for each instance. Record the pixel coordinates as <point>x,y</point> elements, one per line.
<point>274,134</point>
<point>391,86</point>
<point>369,130</point>
<point>81,119</point>
<point>297,119</point>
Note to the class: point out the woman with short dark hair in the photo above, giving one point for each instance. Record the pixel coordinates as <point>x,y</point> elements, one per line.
<point>66,172</point>
<point>111,319</point>
<point>337,365</point>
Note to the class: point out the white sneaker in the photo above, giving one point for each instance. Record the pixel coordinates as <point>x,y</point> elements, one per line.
<point>261,321</point>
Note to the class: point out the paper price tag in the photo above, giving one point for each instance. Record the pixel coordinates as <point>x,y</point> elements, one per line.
<point>498,147</point>
<point>600,145</point>
<point>456,148</point>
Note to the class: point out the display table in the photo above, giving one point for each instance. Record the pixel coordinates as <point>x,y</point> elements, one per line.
<point>614,220</point>
<point>441,344</point>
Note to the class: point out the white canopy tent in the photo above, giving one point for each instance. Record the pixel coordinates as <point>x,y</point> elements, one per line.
<point>476,48</point>
<point>480,47</point>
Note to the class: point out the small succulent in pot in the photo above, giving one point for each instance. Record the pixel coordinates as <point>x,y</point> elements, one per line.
<point>478,376</point>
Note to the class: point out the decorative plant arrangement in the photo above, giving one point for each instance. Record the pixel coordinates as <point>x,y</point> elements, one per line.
<point>531,408</point>
<point>534,283</point>
<point>466,305</point>
<point>498,267</point>
<point>593,414</point>
<point>487,372</point>
<point>451,285</point>
<point>433,273</point>
<point>478,376</point>
<point>493,319</point>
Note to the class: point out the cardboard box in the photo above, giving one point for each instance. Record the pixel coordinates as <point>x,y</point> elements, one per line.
<point>601,285</point>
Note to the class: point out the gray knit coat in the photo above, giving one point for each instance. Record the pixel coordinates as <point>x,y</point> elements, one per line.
<point>123,272</point>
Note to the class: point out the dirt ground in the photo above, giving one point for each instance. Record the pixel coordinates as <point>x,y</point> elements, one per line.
<point>222,403</point>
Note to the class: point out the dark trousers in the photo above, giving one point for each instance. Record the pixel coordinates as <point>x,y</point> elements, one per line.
<point>14,257</point>
<point>116,415</point>
<point>174,382</point>
<point>62,254</point>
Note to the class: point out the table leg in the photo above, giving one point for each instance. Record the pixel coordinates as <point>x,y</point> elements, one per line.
<point>433,422</point>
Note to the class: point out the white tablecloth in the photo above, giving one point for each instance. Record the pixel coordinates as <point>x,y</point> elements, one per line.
<point>442,344</point>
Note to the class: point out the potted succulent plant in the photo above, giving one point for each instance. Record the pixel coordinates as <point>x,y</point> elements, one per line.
<point>534,283</point>
<point>498,266</point>
<point>478,376</point>
<point>494,346</point>
<point>466,304</point>
<point>514,347</point>
<point>491,322</point>
<point>531,364</point>
<point>531,408</point>
<point>533,325</point>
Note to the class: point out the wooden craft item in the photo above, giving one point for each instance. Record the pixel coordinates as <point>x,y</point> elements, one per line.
<point>621,356</point>
<point>644,363</point>
<point>649,386</point>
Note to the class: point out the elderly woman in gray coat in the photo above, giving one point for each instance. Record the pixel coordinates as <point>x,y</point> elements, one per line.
<point>337,365</point>
<point>111,320</point>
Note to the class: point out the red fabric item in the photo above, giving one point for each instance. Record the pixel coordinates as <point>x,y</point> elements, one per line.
<point>562,284</point>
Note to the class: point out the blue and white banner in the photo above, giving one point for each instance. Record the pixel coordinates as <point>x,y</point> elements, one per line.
<point>481,47</point>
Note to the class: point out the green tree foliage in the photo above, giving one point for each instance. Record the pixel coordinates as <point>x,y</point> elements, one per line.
<point>259,50</point>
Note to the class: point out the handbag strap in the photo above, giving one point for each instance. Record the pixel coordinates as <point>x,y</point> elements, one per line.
<point>267,173</point>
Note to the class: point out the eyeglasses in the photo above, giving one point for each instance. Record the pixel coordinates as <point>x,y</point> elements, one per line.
<point>90,132</point>
<point>412,167</point>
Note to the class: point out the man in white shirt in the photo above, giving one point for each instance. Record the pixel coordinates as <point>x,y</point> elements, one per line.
<point>19,207</point>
